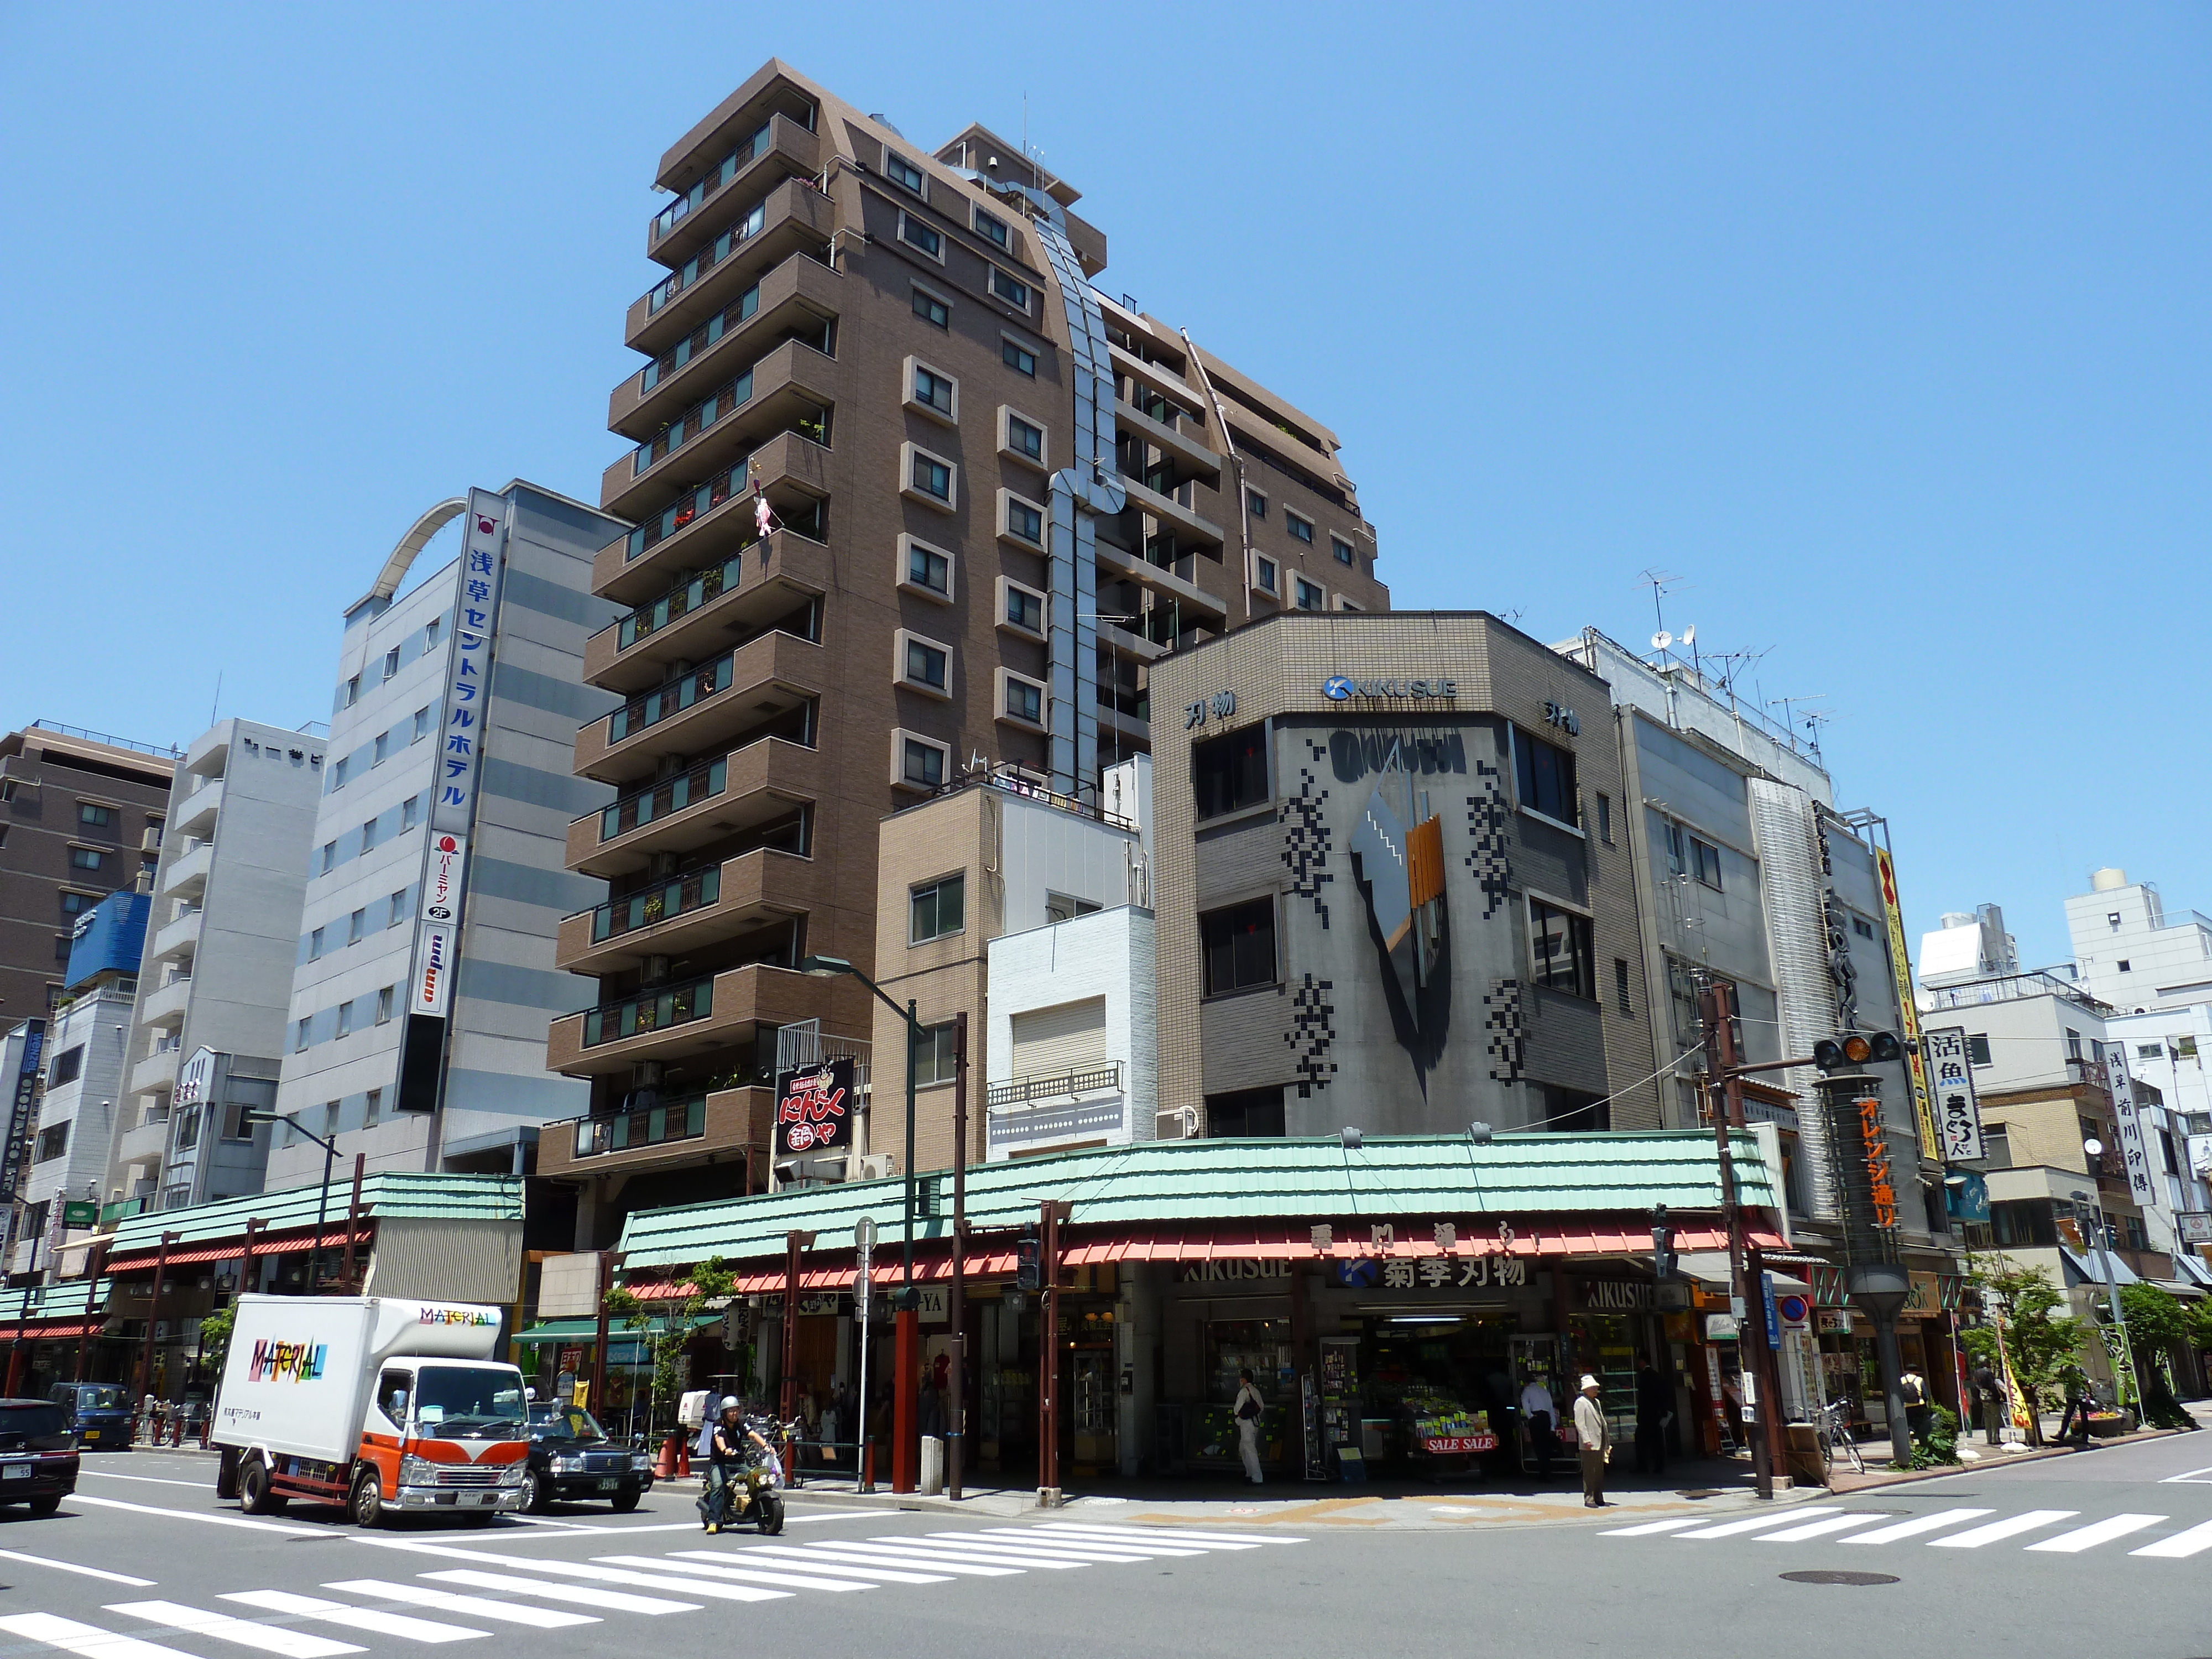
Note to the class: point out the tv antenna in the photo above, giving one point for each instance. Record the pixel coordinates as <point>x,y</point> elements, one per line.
<point>1789,714</point>
<point>1659,582</point>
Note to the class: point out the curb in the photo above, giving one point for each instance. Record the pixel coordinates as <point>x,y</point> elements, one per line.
<point>1872,1480</point>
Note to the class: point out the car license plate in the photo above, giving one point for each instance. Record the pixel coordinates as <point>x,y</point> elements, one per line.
<point>480,1498</point>
<point>15,1471</point>
<point>611,1486</point>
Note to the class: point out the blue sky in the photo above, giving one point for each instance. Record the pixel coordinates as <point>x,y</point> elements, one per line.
<point>1883,328</point>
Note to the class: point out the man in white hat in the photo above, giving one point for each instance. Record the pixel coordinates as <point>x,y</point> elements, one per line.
<point>1595,1441</point>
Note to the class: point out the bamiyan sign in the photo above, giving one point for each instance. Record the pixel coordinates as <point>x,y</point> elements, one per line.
<point>812,1106</point>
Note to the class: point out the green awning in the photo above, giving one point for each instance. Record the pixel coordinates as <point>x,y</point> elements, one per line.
<point>586,1331</point>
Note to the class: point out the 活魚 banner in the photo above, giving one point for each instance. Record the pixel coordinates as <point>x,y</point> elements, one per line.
<point>1900,967</point>
<point>1958,1112</point>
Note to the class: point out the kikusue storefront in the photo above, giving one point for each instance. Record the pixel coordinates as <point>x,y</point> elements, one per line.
<point>1391,1300</point>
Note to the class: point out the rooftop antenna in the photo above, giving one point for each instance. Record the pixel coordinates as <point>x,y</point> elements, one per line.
<point>1659,583</point>
<point>1812,717</point>
<point>1690,639</point>
<point>1789,712</point>
<point>217,703</point>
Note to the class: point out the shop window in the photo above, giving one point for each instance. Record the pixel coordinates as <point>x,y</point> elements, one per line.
<point>933,1057</point>
<point>1544,776</point>
<point>1574,1111</point>
<point>1560,949</point>
<point>68,1066</point>
<point>1245,1112</point>
<point>1239,947</point>
<point>1231,772</point>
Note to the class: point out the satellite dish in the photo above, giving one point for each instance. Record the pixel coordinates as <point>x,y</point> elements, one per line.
<point>1662,640</point>
<point>1690,635</point>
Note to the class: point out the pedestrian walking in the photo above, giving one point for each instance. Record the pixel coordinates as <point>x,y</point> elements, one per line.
<point>1913,1389</point>
<point>1988,1393</point>
<point>1248,1408</point>
<point>2080,1402</point>
<point>1595,1440</point>
<point>1655,1409</point>
<point>1541,1415</point>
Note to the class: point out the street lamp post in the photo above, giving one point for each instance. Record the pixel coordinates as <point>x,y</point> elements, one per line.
<point>907,1381</point>
<point>255,1115</point>
<point>2106,1242</point>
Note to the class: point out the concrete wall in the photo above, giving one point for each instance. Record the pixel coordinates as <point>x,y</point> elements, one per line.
<point>1109,954</point>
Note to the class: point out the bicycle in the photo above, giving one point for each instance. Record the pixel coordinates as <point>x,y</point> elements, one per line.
<point>1836,1429</point>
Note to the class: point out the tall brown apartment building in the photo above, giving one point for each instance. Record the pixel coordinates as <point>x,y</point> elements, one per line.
<point>912,499</point>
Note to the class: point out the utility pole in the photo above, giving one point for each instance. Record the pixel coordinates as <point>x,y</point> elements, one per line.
<point>153,1307</point>
<point>795,1242</point>
<point>1747,1290</point>
<point>1051,1213</point>
<point>596,1400</point>
<point>955,1415</point>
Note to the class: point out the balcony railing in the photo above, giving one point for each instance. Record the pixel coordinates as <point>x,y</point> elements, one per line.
<point>1025,1091</point>
<point>656,903</point>
<point>707,333</point>
<point>672,698</point>
<point>692,423</point>
<point>718,178</point>
<point>649,805</point>
<point>679,1120</point>
<point>706,259</point>
<point>112,1213</point>
<point>694,504</point>
<point>648,1011</point>
<point>686,597</point>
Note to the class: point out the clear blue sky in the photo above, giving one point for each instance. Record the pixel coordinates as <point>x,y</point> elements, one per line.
<point>1885,329</point>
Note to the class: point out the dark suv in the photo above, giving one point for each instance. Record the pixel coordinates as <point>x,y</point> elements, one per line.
<point>99,1412</point>
<point>571,1458</point>
<point>37,1454</point>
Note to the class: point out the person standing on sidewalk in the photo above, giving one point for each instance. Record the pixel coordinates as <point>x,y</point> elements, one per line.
<point>1595,1440</point>
<point>1655,1406</point>
<point>1248,1409</point>
<point>1541,1416</point>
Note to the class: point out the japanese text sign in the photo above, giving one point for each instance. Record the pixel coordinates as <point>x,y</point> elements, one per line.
<point>811,1105</point>
<point>1958,1113</point>
<point>2134,1152</point>
<point>1874,1140</point>
<point>468,670</point>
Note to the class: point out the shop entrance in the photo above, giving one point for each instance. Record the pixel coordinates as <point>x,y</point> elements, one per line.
<point>1437,1388</point>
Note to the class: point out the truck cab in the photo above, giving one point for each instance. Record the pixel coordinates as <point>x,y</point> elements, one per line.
<point>98,1414</point>
<point>446,1434</point>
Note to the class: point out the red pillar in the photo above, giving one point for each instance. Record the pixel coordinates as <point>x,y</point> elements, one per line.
<point>906,1440</point>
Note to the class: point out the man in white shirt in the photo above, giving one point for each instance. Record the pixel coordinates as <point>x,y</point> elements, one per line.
<point>1541,1414</point>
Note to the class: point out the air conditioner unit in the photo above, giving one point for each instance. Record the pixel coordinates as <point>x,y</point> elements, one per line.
<point>874,1166</point>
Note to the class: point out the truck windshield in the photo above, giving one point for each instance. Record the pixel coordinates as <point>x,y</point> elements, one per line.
<point>468,1404</point>
<point>100,1397</point>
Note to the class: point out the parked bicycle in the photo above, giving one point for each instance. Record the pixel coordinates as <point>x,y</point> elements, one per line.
<point>1836,1430</point>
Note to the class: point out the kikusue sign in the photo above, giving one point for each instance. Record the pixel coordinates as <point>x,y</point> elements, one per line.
<point>1342,688</point>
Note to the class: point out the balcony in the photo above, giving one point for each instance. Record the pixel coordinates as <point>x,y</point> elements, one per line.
<point>1036,1091</point>
<point>798,298</point>
<point>705,524</point>
<point>794,217</point>
<point>146,1143</point>
<point>1173,515</point>
<point>709,708</point>
<point>676,916</point>
<point>1194,599</point>
<point>166,1005</point>
<point>179,938</point>
<point>789,390</point>
<point>748,787</point>
<point>156,1073</point>
<point>1171,438</point>
<point>196,815</point>
<point>186,876</point>
<point>671,1021</point>
<point>779,146</point>
<point>754,587</point>
<point>695,1129</point>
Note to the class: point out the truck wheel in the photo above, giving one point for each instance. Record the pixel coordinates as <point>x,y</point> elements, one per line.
<point>368,1505</point>
<point>534,1500</point>
<point>256,1492</point>
<point>226,1473</point>
<point>625,1504</point>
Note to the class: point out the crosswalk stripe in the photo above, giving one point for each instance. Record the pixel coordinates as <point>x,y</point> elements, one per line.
<point>1757,1522</point>
<point>933,1549</point>
<point>351,1618</point>
<point>662,1580</point>
<point>2011,1527</point>
<point>1915,1527</point>
<point>1822,1528</point>
<point>1248,1540</point>
<point>2096,1533</point>
<point>87,1640</point>
<point>77,1567</point>
<point>2183,1545</point>
<point>606,1601</point>
<point>1075,1549</point>
<point>1053,1538</point>
<point>799,1556</point>
<point>423,1595</point>
<point>870,1554</point>
<point>291,1644</point>
<point>739,1574</point>
<point>1646,1529</point>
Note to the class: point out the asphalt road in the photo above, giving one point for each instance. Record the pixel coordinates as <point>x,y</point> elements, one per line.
<point>2110,1551</point>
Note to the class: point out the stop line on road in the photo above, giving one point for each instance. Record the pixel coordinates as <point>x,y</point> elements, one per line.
<point>1949,1528</point>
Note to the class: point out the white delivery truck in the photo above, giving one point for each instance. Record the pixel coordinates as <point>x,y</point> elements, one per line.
<point>372,1402</point>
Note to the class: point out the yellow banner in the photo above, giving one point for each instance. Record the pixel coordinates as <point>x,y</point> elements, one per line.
<point>1900,967</point>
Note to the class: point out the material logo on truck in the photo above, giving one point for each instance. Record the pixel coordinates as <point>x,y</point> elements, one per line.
<point>456,1316</point>
<point>810,1105</point>
<point>286,1362</point>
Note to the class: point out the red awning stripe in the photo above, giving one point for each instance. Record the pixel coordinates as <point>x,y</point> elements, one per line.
<point>236,1251</point>
<point>35,1332</point>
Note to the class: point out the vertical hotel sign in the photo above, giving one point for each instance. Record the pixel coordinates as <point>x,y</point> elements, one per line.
<point>19,1114</point>
<point>1900,968</point>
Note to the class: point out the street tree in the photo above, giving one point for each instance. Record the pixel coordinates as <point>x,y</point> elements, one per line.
<point>2042,1341</point>
<point>710,1282</point>
<point>2156,1326</point>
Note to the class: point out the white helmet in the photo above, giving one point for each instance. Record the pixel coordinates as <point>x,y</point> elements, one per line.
<point>731,1403</point>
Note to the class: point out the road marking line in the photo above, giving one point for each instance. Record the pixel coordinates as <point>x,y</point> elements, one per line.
<point>291,1644</point>
<point>2183,1545</point>
<point>1084,1538</point>
<point>1195,1537</point>
<point>193,1514</point>
<point>1915,1527</point>
<point>2096,1533</point>
<point>2010,1527</point>
<point>662,1581</point>
<point>422,1596</point>
<point>868,1555</point>
<point>1820,1528</point>
<point>932,1549</point>
<point>2189,1478</point>
<point>338,1612</point>
<point>805,1558</point>
<point>743,1575</point>
<point>71,1566</point>
<point>606,1601</point>
<point>1644,1529</point>
<point>89,1640</point>
<point>1758,1523</point>
<point>148,1479</point>
<point>564,1526</point>
<point>1021,1541</point>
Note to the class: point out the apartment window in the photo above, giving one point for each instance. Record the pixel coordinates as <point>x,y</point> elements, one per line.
<point>1024,700</point>
<point>1861,926</point>
<point>1018,358</point>
<point>1267,576</point>
<point>931,392</point>
<point>1238,944</point>
<point>936,908</point>
<point>383,749</point>
<point>1019,519</point>
<point>1705,863</point>
<point>391,662</point>
<point>918,235</point>
<point>8,789</point>
<point>931,309</point>
<point>62,946</point>
<point>928,569</point>
<point>1309,596</point>
<point>992,228</point>
<point>85,858</point>
<point>357,926</point>
<point>2073,1045</point>
<point>922,763</point>
<point>53,1142</point>
<point>315,945</point>
<point>368,835</point>
<point>1061,907</point>
<point>384,1000</point>
<point>924,664</point>
<point>900,171</point>
<point>1255,503</point>
<point>1011,289</point>
<point>1544,774</point>
<point>2126,966</point>
<point>371,1108</point>
<point>928,478</point>
<point>1301,530</point>
<point>98,817</point>
<point>300,1035</point>
<point>1024,608</point>
<point>346,1019</point>
<point>338,772</point>
<point>1021,438</point>
<point>1341,548</point>
<point>1231,772</point>
<point>1620,988</point>
<point>410,811</point>
<point>2112,920</point>
<point>936,1058</point>
<point>430,632</point>
<point>329,1120</point>
<point>422,726</point>
<point>68,1066</point>
<point>1977,1049</point>
<point>74,904</point>
<point>353,690</point>
<point>1560,949</point>
<point>1605,819</point>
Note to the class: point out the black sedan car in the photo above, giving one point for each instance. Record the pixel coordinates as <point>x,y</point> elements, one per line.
<point>37,1454</point>
<point>572,1460</point>
<point>99,1412</point>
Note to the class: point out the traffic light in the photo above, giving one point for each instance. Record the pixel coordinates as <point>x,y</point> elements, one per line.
<point>1028,1261</point>
<point>1855,1049</point>
<point>1662,1245</point>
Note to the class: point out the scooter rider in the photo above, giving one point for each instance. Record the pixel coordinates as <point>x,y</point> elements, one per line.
<point>732,1433</point>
